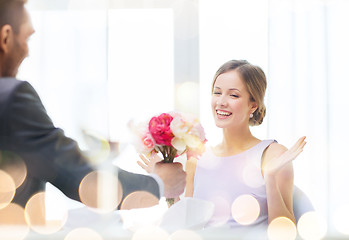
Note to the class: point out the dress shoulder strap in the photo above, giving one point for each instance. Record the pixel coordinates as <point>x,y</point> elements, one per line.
<point>259,150</point>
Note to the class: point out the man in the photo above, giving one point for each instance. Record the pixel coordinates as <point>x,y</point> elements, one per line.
<point>27,130</point>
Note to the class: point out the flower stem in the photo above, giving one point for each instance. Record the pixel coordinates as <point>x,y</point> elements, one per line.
<point>168,153</point>
<point>170,201</point>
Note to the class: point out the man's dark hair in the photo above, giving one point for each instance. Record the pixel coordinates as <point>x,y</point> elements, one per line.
<point>12,13</point>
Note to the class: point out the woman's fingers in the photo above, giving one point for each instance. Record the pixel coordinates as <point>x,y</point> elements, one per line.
<point>300,147</point>
<point>155,158</point>
<point>148,164</point>
<point>303,144</point>
<point>144,159</point>
<point>142,165</point>
<point>298,144</point>
<point>275,164</point>
<point>296,149</point>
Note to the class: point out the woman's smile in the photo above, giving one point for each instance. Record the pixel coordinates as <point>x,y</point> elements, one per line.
<point>222,114</point>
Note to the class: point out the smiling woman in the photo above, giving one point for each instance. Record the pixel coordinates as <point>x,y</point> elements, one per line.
<point>238,101</point>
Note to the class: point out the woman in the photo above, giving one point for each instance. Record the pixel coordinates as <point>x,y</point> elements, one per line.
<point>242,164</point>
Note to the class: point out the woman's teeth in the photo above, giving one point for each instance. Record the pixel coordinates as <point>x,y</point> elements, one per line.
<point>223,113</point>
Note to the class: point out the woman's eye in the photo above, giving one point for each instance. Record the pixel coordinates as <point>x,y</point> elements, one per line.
<point>216,93</point>
<point>235,96</point>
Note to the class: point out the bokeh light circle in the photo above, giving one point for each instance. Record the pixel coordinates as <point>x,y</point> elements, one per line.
<point>7,189</point>
<point>14,165</point>
<point>101,191</point>
<point>12,223</point>
<point>251,176</point>
<point>83,234</point>
<point>187,95</point>
<point>222,209</point>
<point>282,228</point>
<point>245,209</point>
<point>150,233</point>
<point>311,226</point>
<point>35,215</point>
<point>139,199</point>
<point>184,234</point>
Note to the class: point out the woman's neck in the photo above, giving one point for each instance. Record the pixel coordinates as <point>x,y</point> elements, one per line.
<point>236,141</point>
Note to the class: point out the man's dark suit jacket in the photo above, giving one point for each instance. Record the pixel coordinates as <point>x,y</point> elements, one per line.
<point>50,156</point>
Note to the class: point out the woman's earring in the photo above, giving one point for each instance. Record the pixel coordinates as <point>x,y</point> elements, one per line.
<point>251,115</point>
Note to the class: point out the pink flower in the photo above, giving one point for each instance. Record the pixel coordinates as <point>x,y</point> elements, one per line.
<point>148,142</point>
<point>198,130</point>
<point>159,128</point>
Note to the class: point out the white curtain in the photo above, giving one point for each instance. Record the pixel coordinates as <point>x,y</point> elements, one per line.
<point>307,84</point>
<point>303,48</point>
<point>67,65</point>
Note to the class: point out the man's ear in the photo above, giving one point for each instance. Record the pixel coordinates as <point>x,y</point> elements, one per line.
<point>5,38</point>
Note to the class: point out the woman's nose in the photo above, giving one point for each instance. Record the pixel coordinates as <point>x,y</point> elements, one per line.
<point>221,101</point>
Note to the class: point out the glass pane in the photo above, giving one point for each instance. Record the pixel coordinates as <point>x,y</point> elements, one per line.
<point>67,66</point>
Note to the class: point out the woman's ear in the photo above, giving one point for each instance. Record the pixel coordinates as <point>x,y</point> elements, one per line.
<point>254,107</point>
<point>6,35</point>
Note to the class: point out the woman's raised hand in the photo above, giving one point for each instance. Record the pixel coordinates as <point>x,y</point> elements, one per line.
<point>148,164</point>
<point>272,166</point>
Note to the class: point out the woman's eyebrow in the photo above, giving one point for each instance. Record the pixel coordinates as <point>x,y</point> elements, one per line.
<point>234,89</point>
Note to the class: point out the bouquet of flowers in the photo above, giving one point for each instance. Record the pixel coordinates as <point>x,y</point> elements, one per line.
<point>171,134</point>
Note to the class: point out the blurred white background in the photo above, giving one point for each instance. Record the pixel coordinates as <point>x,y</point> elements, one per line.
<point>100,64</point>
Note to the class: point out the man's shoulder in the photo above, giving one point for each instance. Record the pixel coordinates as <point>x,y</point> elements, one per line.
<point>8,85</point>
<point>8,88</point>
<point>10,80</point>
